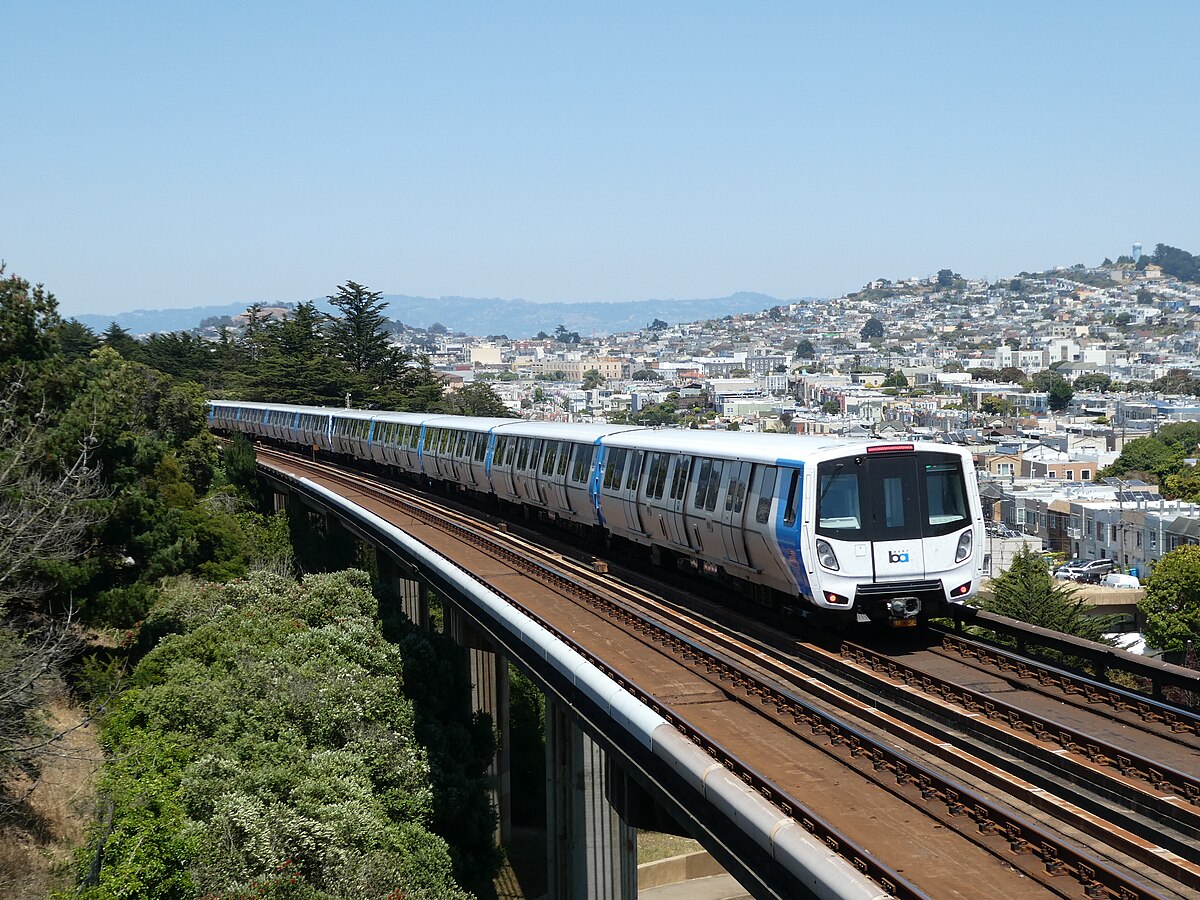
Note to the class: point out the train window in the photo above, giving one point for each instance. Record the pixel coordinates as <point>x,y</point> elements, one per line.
<point>714,485</point>
<point>635,471</point>
<point>522,452</point>
<point>838,500</point>
<point>564,455</point>
<point>683,466</point>
<point>550,457</point>
<point>789,509</point>
<point>945,496</point>
<point>481,442</point>
<point>893,502</point>
<point>657,480</point>
<point>735,491</point>
<point>766,496</point>
<point>583,456</point>
<point>614,469</point>
<point>535,453</point>
<point>703,475</point>
<point>461,449</point>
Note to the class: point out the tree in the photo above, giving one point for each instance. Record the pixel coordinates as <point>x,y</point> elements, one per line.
<point>1093,381</point>
<point>357,336</point>
<point>592,379</point>
<point>1171,603</point>
<point>895,379</point>
<point>566,337</point>
<point>46,512</point>
<point>1146,456</point>
<point>1177,263</point>
<point>120,340</point>
<point>831,407</point>
<point>997,406</point>
<point>872,329</point>
<point>805,349</point>
<point>945,278</point>
<point>1011,375</point>
<point>657,325</point>
<point>29,322</point>
<point>1060,395</point>
<point>1026,591</point>
<point>645,375</point>
<point>476,399</point>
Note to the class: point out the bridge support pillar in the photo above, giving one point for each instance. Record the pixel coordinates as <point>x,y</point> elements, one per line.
<point>590,851</point>
<point>489,694</point>
<point>401,590</point>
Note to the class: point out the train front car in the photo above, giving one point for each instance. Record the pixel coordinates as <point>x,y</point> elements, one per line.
<point>896,531</point>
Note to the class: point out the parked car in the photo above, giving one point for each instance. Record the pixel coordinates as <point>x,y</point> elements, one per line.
<point>1117,580</point>
<point>1092,571</point>
<point>1066,571</point>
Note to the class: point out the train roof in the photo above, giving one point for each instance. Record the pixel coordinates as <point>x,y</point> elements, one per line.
<point>749,446</point>
<point>564,431</point>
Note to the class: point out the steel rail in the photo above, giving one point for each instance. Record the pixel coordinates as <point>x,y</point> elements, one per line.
<point>1179,720</point>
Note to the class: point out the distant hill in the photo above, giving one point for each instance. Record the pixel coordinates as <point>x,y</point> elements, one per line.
<point>516,318</point>
<point>148,321</point>
<point>523,318</point>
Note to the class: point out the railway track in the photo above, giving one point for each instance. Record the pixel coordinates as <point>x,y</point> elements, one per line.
<point>922,816</point>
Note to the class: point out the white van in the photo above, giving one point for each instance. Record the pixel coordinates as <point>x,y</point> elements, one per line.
<point>1117,580</point>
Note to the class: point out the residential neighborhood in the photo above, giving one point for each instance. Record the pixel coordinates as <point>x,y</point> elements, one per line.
<point>940,358</point>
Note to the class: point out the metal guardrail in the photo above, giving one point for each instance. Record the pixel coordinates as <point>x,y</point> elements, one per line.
<point>1104,659</point>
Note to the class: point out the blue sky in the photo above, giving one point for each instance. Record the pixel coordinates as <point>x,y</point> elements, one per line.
<point>178,154</point>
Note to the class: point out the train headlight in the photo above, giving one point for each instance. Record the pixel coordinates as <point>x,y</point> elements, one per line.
<point>964,546</point>
<point>826,556</point>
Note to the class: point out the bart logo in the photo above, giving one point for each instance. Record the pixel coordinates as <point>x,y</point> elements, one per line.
<point>894,557</point>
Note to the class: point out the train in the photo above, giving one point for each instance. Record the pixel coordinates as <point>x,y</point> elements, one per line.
<point>848,530</point>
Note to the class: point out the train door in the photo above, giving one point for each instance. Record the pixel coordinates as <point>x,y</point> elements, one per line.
<point>895,513</point>
<point>758,528</point>
<point>553,477</point>
<point>579,473</point>
<point>673,502</point>
<point>731,510</point>
<point>501,467</point>
<point>616,512</point>
<point>629,494</point>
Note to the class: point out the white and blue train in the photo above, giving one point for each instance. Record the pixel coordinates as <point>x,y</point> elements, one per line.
<point>862,530</point>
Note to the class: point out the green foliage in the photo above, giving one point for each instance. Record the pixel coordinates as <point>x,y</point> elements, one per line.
<point>592,379</point>
<point>1094,381</point>
<point>895,379</point>
<point>1059,390</point>
<point>1028,592</point>
<point>997,406</point>
<point>267,739</point>
<point>29,324</point>
<point>804,349</point>
<point>1146,456</point>
<point>1171,603</point>
<point>872,329</point>
<point>1177,263</point>
<point>476,399</point>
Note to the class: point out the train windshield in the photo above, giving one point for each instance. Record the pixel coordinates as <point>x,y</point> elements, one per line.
<point>891,497</point>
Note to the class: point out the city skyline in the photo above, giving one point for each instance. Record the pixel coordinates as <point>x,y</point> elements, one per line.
<point>183,157</point>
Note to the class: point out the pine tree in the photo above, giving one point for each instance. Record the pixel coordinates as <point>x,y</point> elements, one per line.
<point>1028,592</point>
<point>357,336</point>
